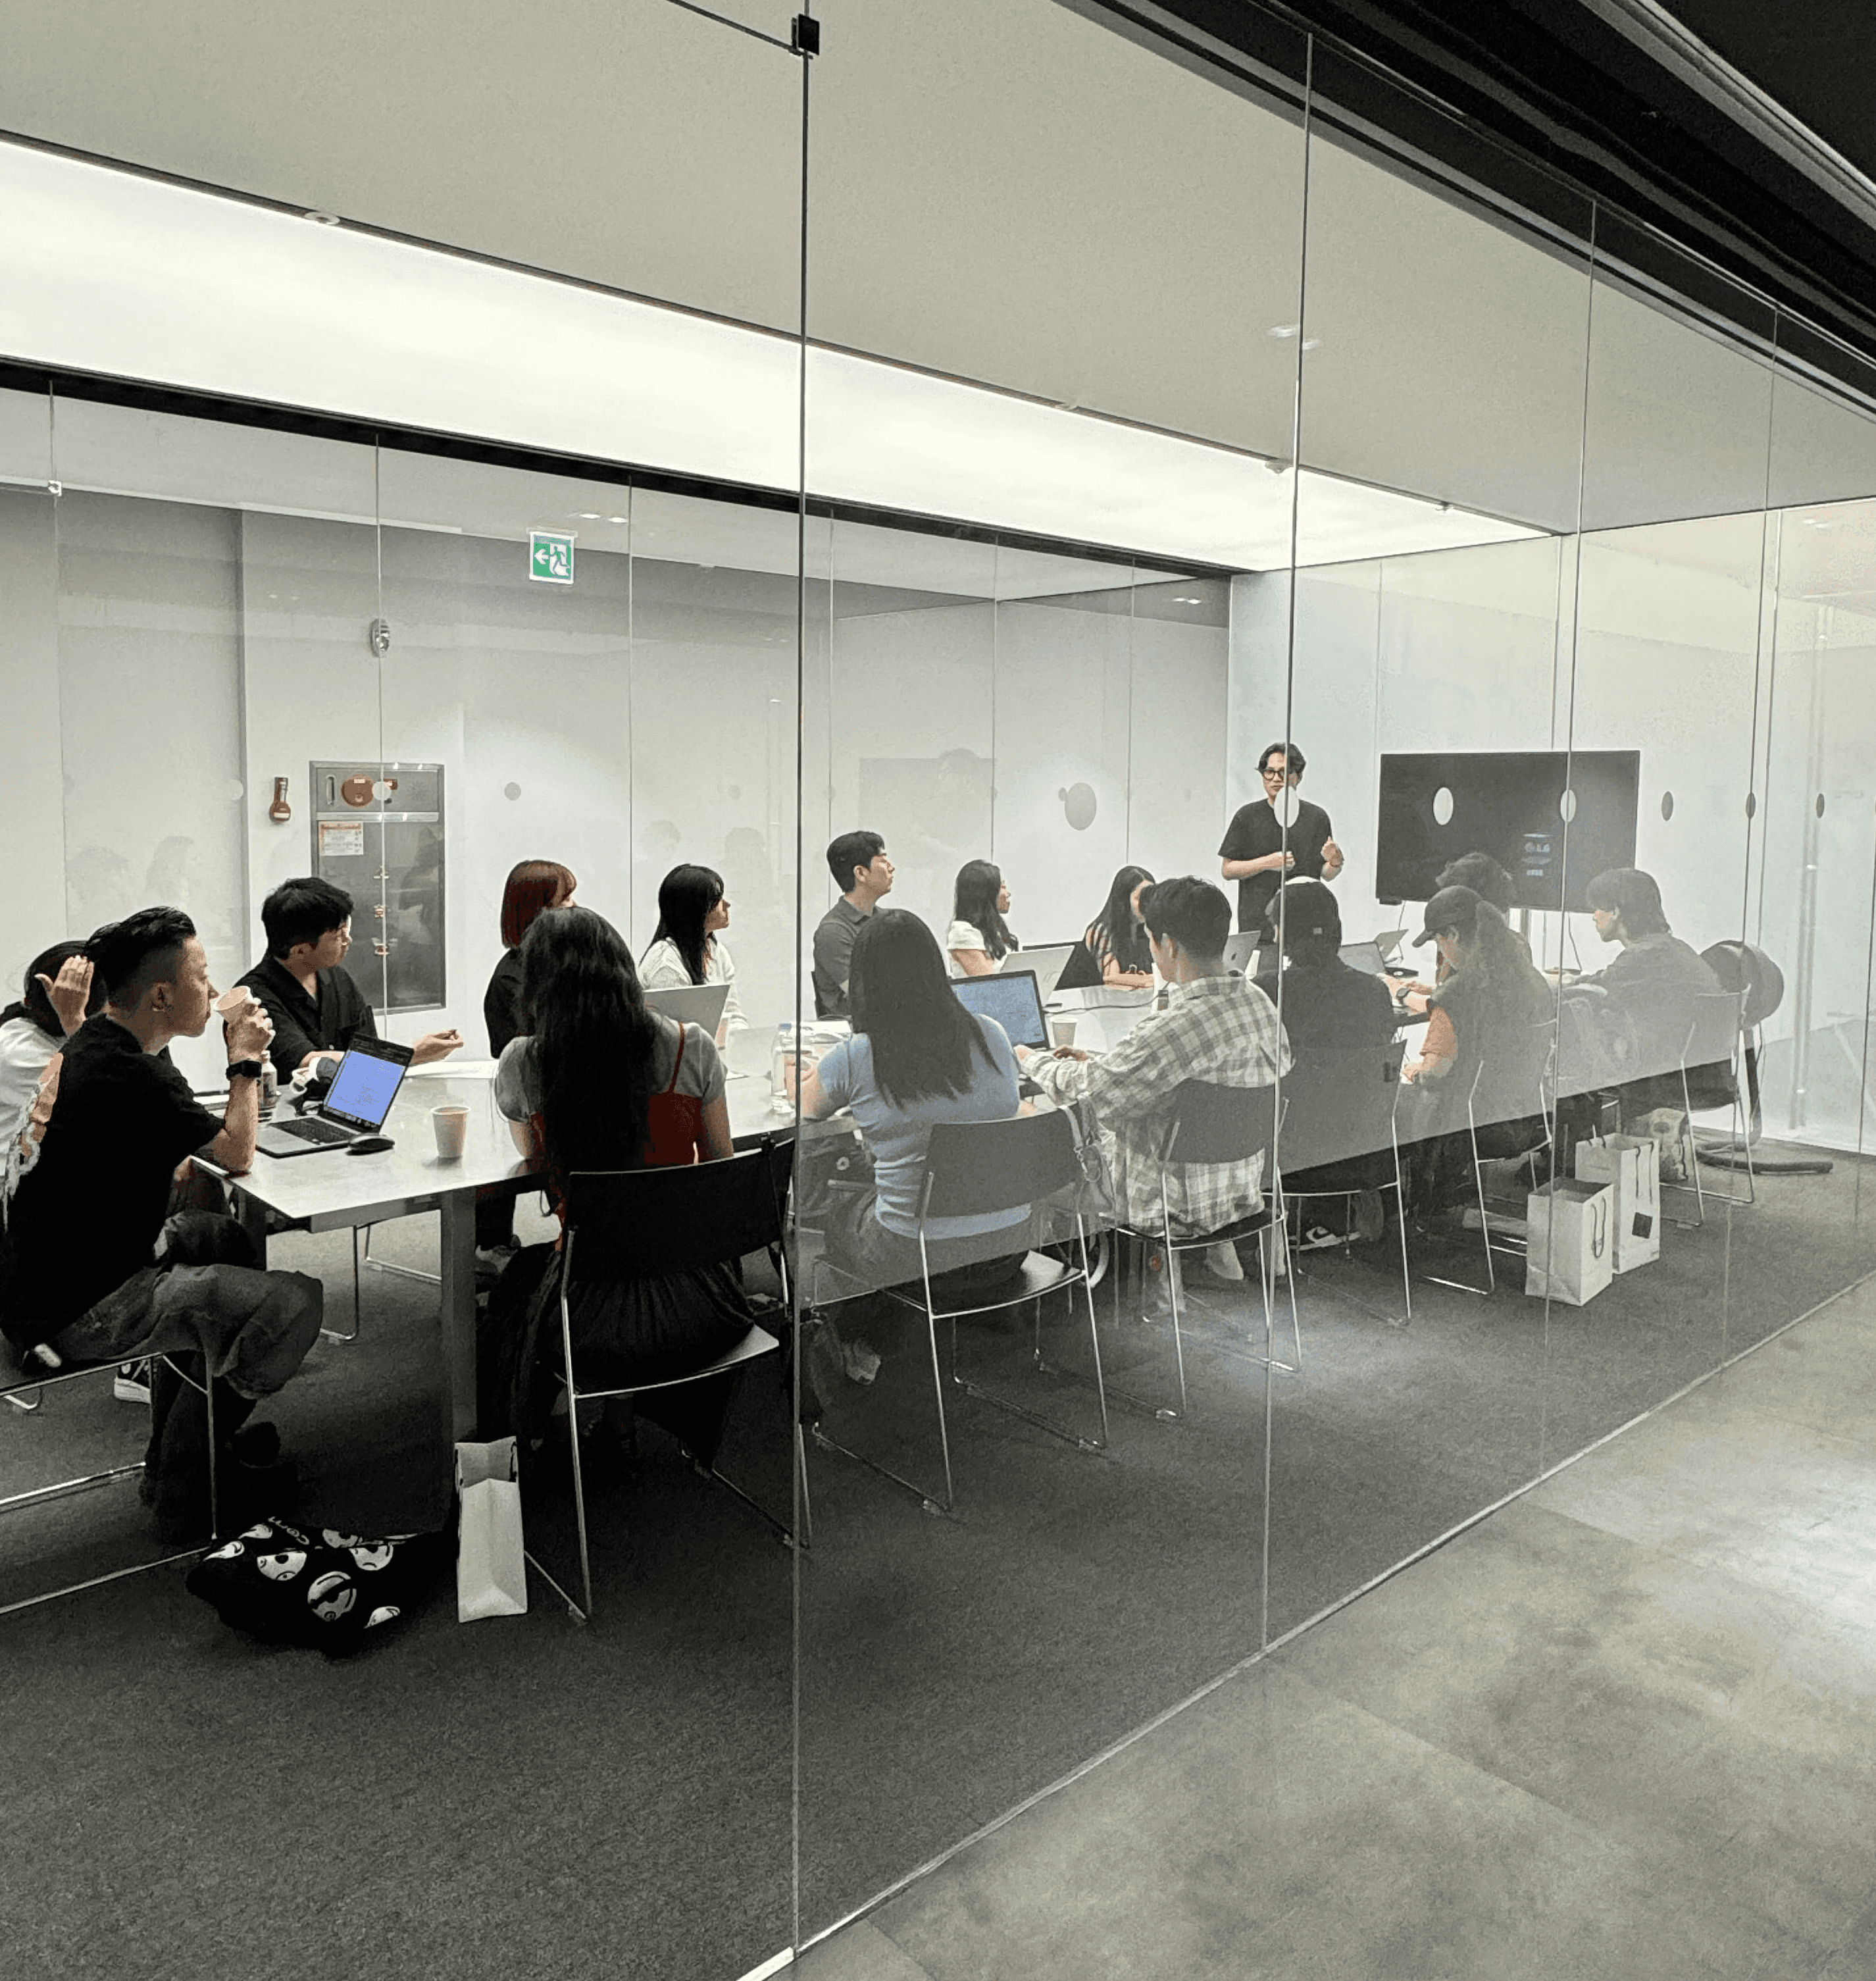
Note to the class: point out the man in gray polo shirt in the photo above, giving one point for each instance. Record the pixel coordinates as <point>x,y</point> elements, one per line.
<point>858,863</point>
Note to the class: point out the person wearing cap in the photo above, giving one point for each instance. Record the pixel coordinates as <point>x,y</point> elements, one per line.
<point>1645,1007</point>
<point>1259,851</point>
<point>1323,1002</point>
<point>1490,1012</point>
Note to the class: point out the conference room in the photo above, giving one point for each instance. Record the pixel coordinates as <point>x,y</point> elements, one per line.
<point>328,551</point>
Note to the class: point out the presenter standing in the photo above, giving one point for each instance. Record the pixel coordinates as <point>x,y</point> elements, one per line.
<point>1278,838</point>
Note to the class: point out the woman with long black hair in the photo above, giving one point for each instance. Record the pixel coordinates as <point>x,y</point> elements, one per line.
<point>1114,944</point>
<point>603,1082</point>
<point>57,996</point>
<point>688,947</point>
<point>917,1058</point>
<point>978,937</point>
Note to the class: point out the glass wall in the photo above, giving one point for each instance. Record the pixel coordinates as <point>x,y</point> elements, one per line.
<point>1519,540</point>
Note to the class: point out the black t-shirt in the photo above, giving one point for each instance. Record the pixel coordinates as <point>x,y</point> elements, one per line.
<point>1255,831</point>
<point>1330,1005</point>
<point>88,1213</point>
<point>501,1003</point>
<point>337,1018</point>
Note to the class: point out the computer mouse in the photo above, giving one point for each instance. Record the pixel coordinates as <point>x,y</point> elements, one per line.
<point>370,1145</point>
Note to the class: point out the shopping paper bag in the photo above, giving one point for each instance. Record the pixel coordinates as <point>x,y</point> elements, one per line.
<point>491,1568</point>
<point>1567,1240</point>
<point>1630,1165</point>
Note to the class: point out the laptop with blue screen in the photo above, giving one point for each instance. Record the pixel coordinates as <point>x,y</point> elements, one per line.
<point>1011,998</point>
<point>356,1103</point>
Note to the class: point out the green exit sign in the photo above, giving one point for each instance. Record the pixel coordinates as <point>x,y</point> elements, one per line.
<point>550,557</point>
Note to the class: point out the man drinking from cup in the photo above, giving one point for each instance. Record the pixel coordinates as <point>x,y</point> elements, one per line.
<point>102,1272</point>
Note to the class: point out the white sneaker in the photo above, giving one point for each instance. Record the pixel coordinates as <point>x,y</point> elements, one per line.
<point>1222,1262</point>
<point>131,1382</point>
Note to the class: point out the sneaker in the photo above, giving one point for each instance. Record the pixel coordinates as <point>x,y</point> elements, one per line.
<point>1223,1262</point>
<point>1319,1238</point>
<point>858,1362</point>
<point>131,1382</point>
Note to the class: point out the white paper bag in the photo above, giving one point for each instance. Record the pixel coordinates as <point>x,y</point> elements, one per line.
<point>1569,1249</point>
<point>1630,1165</point>
<point>491,1567</point>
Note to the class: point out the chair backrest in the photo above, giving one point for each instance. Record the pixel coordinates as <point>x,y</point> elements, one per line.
<point>1713,1030</point>
<point>1220,1125</point>
<point>623,1224</point>
<point>973,1168</point>
<point>1338,1103</point>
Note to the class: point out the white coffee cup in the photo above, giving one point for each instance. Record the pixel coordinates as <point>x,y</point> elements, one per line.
<point>1062,1031</point>
<point>451,1125</point>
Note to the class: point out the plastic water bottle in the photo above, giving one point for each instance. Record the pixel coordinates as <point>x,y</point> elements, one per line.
<point>779,1096</point>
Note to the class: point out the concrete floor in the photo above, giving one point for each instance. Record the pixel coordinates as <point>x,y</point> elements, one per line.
<point>1627,1725</point>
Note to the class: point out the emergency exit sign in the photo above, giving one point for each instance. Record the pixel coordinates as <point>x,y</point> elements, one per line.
<point>550,557</point>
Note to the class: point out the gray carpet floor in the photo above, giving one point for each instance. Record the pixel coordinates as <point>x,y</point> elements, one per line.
<point>524,1796</point>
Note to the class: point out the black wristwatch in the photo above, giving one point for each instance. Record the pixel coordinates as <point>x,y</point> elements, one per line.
<point>245,1069</point>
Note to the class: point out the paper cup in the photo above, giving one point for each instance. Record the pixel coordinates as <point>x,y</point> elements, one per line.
<point>1062,1031</point>
<point>451,1128</point>
<point>230,1003</point>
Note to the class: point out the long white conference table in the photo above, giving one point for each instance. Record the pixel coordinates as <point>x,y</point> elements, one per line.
<point>329,1190</point>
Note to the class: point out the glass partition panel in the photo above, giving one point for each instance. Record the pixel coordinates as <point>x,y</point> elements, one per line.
<point>1030,711</point>
<point>1413,678</point>
<point>1668,692</point>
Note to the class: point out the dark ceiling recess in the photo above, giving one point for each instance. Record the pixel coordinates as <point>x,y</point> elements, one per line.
<point>1462,81</point>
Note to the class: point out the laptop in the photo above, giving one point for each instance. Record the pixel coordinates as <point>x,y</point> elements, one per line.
<point>700,1004</point>
<point>1241,951</point>
<point>1364,956</point>
<point>356,1103</point>
<point>1048,960</point>
<point>1009,996</point>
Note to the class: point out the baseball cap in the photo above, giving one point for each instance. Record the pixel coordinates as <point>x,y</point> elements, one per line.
<point>1450,908</point>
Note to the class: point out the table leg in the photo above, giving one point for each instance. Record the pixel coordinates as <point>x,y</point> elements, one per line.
<point>458,1216</point>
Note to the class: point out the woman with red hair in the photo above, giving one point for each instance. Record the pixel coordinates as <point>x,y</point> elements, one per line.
<point>533,886</point>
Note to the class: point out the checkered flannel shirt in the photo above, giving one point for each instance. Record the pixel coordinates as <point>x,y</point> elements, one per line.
<point>1222,1029</point>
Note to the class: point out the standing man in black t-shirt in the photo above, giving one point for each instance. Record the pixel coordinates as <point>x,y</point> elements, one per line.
<point>87,1283</point>
<point>313,1001</point>
<point>1259,855</point>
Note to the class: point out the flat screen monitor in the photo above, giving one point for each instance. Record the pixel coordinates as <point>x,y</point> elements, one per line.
<point>1553,820</point>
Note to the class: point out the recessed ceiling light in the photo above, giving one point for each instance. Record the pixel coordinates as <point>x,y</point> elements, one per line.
<point>615,519</point>
<point>1185,601</point>
<point>1312,343</point>
<point>587,516</point>
<point>323,219</point>
<point>1284,329</point>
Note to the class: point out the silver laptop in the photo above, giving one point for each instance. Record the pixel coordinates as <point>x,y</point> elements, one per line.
<point>1241,951</point>
<point>1046,962</point>
<point>1363,955</point>
<point>1009,996</point>
<point>700,1004</point>
<point>356,1103</point>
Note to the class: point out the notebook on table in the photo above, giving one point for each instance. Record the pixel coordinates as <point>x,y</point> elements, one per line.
<point>356,1103</point>
<point>699,1004</point>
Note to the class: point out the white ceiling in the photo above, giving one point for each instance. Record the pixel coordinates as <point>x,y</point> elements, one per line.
<point>1002,191</point>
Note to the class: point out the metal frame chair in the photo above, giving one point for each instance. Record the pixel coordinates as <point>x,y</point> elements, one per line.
<point>1545,1096</point>
<point>1338,1138</point>
<point>975,1169</point>
<point>1718,1024</point>
<point>1216,1125</point>
<point>13,1388</point>
<point>629,1224</point>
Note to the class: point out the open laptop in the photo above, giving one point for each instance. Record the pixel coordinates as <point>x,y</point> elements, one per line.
<point>1241,951</point>
<point>1047,961</point>
<point>1363,955</point>
<point>700,1004</point>
<point>1009,996</point>
<point>356,1103</point>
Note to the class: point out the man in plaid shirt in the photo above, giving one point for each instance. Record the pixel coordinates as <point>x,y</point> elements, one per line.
<point>1217,1027</point>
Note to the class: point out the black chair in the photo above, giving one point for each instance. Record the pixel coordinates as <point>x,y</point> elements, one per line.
<point>975,1169</point>
<point>30,1378</point>
<point>1216,1125</point>
<point>1338,1135</point>
<point>1710,1079</point>
<point>1502,1139</point>
<point>628,1224</point>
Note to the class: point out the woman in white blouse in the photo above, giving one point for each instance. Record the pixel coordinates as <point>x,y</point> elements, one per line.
<point>979,938</point>
<point>688,947</point>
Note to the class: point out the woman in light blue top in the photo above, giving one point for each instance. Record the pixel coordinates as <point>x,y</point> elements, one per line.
<point>917,1058</point>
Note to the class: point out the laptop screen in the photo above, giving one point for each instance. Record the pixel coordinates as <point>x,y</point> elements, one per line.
<point>1363,955</point>
<point>1011,998</point>
<point>363,1088</point>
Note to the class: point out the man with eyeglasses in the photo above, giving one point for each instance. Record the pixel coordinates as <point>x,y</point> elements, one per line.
<point>1260,853</point>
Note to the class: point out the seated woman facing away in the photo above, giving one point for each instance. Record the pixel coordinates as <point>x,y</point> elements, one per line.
<point>533,886</point>
<point>1114,945</point>
<point>688,946</point>
<point>917,1058</point>
<point>602,1082</point>
<point>979,938</point>
<point>57,997</point>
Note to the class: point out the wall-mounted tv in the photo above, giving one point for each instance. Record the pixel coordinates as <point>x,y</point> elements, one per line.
<point>1511,804</point>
